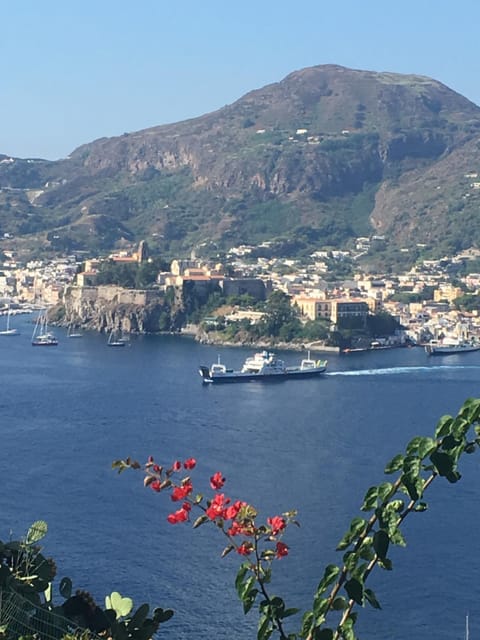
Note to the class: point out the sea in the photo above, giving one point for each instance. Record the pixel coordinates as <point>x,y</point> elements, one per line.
<point>313,445</point>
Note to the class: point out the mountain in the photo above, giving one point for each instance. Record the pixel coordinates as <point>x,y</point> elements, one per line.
<point>325,155</point>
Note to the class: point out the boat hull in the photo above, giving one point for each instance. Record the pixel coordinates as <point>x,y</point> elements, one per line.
<point>448,351</point>
<point>240,376</point>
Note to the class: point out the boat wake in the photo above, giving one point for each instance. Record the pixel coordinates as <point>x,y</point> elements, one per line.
<point>388,371</point>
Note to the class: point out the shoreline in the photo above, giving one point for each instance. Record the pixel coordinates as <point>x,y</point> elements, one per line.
<point>192,332</point>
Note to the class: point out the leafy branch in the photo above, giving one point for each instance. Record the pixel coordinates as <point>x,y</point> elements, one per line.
<point>365,545</point>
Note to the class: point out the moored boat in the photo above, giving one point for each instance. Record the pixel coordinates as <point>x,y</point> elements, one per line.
<point>115,340</point>
<point>449,346</point>
<point>9,331</point>
<point>41,336</point>
<point>264,365</point>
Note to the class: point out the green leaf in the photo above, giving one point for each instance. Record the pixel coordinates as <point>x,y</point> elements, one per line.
<point>121,606</point>
<point>289,612</point>
<point>340,604</point>
<point>350,560</point>
<point>323,634</point>
<point>65,588</point>
<point>396,537</point>
<point>421,506</point>
<point>200,520</point>
<point>249,600</point>
<point>371,599</point>
<point>357,526</point>
<point>320,605</point>
<point>366,549</point>
<point>411,487</point>
<point>395,464</point>
<point>241,577</point>
<point>426,446</point>
<point>139,617</point>
<point>395,505</point>
<point>381,542</point>
<point>307,622</point>
<point>345,542</point>
<point>227,550</point>
<point>370,500</point>
<point>347,629</point>
<point>444,426</point>
<point>386,564</point>
<point>37,531</point>
<point>412,446</point>
<point>354,589</point>
<point>329,576</point>
<point>384,490</point>
<point>161,615</point>
<point>471,410</point>
<point>450,442</point>
<point>443,462</point>
<point>246,587</point>
<point>460,427</point>
<point>264,631</point>
<point>411,467</point>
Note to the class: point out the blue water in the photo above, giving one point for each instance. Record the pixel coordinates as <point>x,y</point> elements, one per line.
<point>315,445</point>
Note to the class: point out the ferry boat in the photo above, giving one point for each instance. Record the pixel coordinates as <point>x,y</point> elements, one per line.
<point>264,365</point>
<point>449,346</point>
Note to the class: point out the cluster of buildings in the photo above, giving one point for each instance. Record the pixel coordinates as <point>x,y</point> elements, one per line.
<point>307,282</point>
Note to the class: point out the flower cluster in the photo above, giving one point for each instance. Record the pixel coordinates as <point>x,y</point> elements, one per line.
<point>237,519</point>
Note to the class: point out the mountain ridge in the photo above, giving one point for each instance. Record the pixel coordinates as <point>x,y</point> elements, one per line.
<point>323,155</point>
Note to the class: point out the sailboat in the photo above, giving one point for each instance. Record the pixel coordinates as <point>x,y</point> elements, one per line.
<point>41,336</point>
<point>114,340</point>
<point>71,333</point>
<point>9,331</point>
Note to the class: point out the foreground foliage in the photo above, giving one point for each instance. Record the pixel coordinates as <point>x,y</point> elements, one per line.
<point>364,546</point>
<point>27,608</point>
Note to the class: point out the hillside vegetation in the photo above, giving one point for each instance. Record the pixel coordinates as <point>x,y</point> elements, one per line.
<point>323,156</point>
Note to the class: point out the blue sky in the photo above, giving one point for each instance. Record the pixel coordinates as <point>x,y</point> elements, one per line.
<point>76,70</point>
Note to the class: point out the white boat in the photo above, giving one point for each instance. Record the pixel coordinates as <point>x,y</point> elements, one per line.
<point>264,365</point>
<point>71,333</point>
<point>116,341</point>
<point>41,336</point>
<point>9,331</point>
<point>449,346</point>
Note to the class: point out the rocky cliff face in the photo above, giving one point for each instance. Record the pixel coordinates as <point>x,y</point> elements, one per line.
<point>109,308</point>
<point>310,151</point>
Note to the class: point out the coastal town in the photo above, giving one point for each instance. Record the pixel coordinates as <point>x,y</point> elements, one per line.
<point>422,299</point>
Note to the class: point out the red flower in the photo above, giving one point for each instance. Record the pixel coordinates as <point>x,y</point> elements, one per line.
<point>179,516</point>
<point>156,485</point>
<point>216,508</point>
<point>190,463</point>
<point>282,550</point>
<point>177,465</point>
<point>277,523</point>
<point>217,481</point>
<point>244,549</point>
<point>180,493</point>
<point>231,512</point>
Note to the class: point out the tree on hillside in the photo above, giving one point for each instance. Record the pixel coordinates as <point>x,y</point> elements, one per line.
<point>280,319</point>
